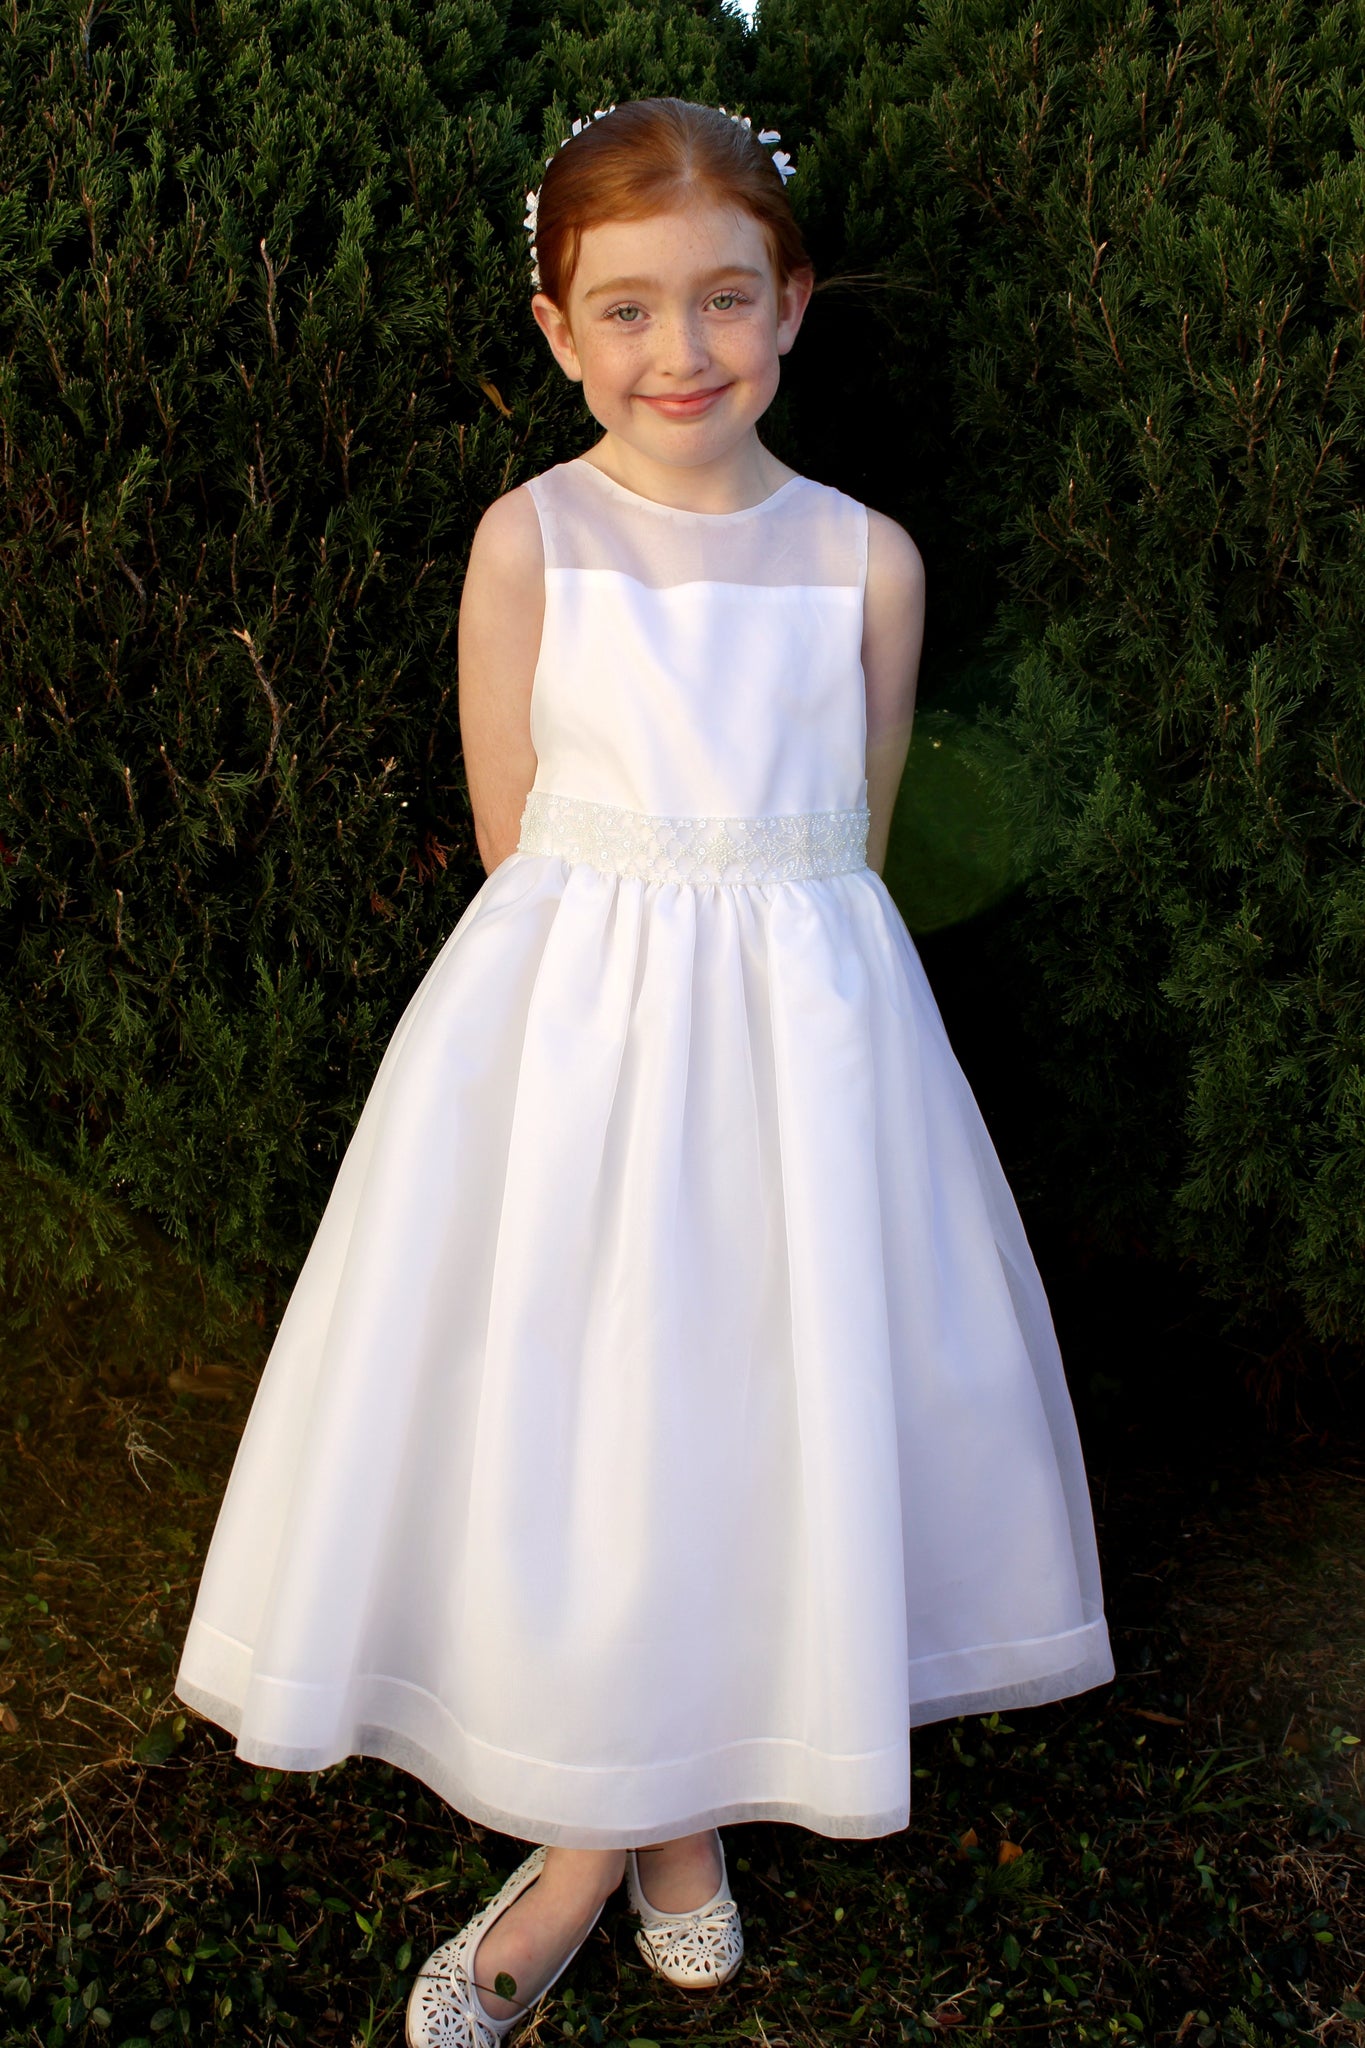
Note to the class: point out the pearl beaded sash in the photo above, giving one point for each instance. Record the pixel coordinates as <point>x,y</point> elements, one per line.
<point>783,848</point>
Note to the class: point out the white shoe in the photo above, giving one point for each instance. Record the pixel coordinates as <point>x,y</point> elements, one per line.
<point>444,2007</point>
<point>697,1950</point>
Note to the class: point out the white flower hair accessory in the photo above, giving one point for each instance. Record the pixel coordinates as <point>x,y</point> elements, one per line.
<point>782,163</point>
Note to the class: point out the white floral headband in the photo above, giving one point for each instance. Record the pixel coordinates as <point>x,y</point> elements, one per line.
<point>781,161</point>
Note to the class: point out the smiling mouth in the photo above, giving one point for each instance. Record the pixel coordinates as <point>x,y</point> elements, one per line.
<point>684,400</point>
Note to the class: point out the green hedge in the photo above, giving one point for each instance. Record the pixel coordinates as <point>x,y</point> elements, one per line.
<point>1164,384</point>
<point>265,355</point>
<point>1128,244</point>
<point>1091,326</point>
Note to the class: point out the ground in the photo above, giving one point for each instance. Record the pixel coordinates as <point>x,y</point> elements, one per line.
<point>1176,1858</point>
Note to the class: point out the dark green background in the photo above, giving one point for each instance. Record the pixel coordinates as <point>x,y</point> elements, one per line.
<point>1089,324</point>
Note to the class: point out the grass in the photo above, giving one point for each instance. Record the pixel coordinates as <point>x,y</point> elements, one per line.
<point>1177,1858</point>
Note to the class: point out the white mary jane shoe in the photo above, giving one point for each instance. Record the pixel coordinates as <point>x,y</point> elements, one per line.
<point>444,2007</point>
<point>698,1950</point>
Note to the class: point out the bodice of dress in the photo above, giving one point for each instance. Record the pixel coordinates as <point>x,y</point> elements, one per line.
<point>698,708</point>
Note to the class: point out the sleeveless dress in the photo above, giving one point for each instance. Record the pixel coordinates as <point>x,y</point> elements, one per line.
<point>667,1417</point>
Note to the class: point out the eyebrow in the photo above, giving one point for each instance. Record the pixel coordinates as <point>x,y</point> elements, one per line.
<point>620,284</point>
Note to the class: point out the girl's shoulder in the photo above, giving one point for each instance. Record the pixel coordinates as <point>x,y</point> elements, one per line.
<point>886,536</point>
<point>507,540</point>
<point>895,567</point>
<point>892,556</point>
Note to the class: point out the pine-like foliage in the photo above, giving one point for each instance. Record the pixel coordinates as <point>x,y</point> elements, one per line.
<point>1162,363</point>
<point>1091,323</point>
<point>1136,234</point>
<point>265,355</point>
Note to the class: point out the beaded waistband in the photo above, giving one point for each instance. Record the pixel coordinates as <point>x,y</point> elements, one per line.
<point>784,848</point>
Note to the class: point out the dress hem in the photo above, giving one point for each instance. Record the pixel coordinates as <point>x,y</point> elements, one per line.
<point>875,1785</point>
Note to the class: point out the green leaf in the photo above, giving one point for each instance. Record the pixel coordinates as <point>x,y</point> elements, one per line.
<point>158,1744</point>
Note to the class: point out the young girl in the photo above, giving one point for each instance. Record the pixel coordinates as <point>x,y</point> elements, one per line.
<point>668,1415</point>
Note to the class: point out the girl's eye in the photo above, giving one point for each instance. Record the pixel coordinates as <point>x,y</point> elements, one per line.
<point>618,313</point>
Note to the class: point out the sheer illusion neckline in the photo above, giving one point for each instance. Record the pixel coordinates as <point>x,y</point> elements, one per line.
<point>681,511</point>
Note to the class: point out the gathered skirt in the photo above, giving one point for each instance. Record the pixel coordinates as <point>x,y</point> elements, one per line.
<point>667,1417</point>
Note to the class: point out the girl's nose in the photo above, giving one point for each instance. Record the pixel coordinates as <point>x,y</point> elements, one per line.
<point>682,349</point>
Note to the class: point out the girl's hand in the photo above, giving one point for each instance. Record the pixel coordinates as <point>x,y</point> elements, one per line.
<point>502,610</point>
<point>893,632</point>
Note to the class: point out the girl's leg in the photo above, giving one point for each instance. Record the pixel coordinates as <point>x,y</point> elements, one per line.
<point>678,1876</point>
<point>531,1939</point>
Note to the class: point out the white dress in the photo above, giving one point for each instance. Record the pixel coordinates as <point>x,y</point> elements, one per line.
<point>668,1416</point>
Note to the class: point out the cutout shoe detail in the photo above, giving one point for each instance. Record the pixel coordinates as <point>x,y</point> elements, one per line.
<point>444,2007</point>
<point>698,1951</point>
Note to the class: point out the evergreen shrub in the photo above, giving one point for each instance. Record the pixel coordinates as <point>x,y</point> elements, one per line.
<point>1090,323</point>
<point>1135,236</point>
<point>265,356</point>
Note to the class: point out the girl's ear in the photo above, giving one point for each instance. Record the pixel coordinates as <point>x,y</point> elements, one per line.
<point>792,302</point>
<point>558,333</point>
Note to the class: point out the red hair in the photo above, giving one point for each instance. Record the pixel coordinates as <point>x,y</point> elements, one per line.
<point>658,156</point>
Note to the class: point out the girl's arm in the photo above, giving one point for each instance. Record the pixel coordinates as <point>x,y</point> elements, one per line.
<point>893,631</point>
<point>502,610</point>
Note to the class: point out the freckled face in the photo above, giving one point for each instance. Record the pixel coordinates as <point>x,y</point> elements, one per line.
<point>675,326</point>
